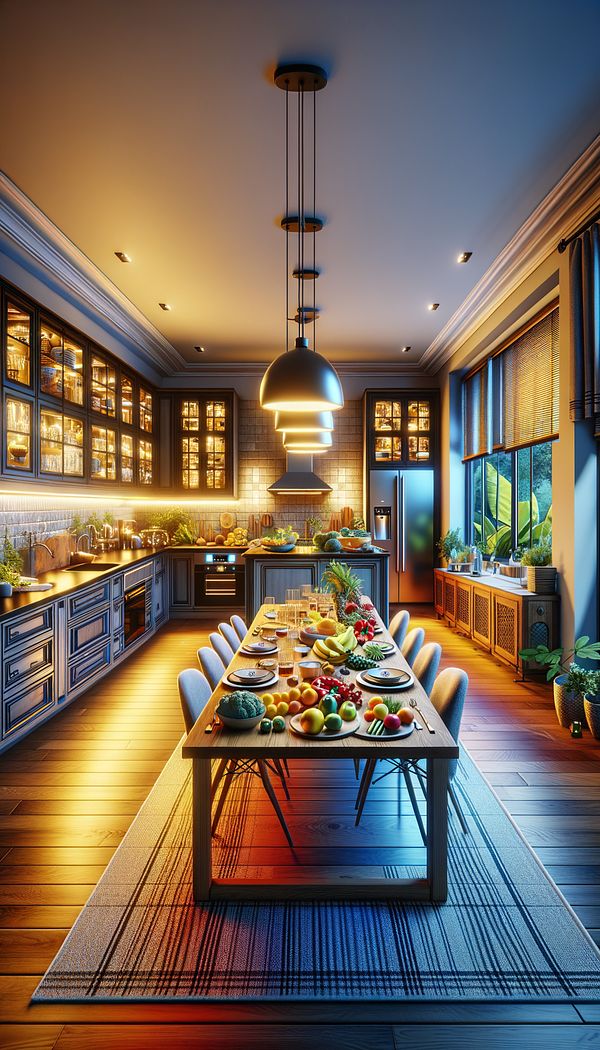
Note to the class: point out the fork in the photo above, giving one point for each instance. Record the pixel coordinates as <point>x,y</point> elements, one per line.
<point>413,703</point>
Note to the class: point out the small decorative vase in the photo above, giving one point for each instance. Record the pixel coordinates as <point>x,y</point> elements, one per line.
<point>591,706</point>
<point>541,579</point>
<point>6,590</point>
<point>568,705</point>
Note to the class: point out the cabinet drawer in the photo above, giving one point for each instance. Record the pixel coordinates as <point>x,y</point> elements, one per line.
<point>27,705</point>
<point>90,598</point>
<point>25,629</point>
<point>159,564</point>
<point>81,671</point>
<point>133,577</point>
<point>90,632</point>
<point>24,665</point>
<point>117,586</point>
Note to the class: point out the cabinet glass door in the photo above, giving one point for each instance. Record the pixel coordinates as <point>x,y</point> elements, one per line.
<point>104,387</point>
<point>17,353</point>
<point>103,465</point>
<point>127,453</point>
<point>145,454</point>
<point>145,410</point>
<point>127,401</point>
<point>419,426</point>
<point>73,446</point>
<point>61,444</point>
<point>61,365</point>
<point>215,424</point>
<point>387,424</point>
<point>18,434</point>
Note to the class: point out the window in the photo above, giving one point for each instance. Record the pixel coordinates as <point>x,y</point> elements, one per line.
<point>510,497</point>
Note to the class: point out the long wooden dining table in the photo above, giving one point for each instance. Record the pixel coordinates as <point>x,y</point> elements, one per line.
<point>435,749</point>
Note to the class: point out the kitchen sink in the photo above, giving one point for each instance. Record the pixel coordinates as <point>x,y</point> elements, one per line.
<point>92,566</point>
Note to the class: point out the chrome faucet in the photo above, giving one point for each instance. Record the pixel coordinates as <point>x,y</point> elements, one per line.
<point>38,543</point>
<point>84,536</point>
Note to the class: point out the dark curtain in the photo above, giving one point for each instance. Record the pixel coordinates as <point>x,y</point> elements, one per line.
<point>585,326</point>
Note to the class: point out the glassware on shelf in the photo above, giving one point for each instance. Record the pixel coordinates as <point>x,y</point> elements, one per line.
<point>104,386</point>
<point>18,344</point>
<point>127,467</point>
<point>18,434</point>
<point>127,401</point>
<point>145,462</point>
<point>104,460</point>
<point>145,410</point>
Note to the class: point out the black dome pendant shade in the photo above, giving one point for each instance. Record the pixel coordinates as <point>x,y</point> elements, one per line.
<point>301,380</point>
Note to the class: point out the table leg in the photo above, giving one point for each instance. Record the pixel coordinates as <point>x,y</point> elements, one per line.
<point>437,827</point>
<point>201,830</point>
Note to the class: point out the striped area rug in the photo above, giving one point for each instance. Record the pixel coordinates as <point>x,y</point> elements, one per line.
<point>504,933</point>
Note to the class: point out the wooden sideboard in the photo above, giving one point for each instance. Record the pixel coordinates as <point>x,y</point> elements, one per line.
<point>497,614</point>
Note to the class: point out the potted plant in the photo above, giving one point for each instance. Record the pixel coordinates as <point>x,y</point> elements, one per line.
<point>10,568</point>
<point>591,703</point>
<point>541,575</point>
<point>449,544</point>
<point>574,682</point>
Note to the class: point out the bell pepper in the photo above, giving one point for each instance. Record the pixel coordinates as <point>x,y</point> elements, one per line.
<point>364,631</point>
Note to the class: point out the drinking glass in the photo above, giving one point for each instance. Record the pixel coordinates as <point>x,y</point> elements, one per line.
<point>286,662</point>
<point>269,602</point>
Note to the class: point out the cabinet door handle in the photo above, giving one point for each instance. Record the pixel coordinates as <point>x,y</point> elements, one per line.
<point>36,663</point>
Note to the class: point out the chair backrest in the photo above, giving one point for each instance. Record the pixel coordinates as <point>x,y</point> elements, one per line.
<point>399,626</point>
<point>230,636</point>
<point>211,664</point>
<point>448,698</point>
<point>412,643</point>
<point>222,647</point>
<point>194,692</point>
<point>240,626</point>
<point>426,665</point>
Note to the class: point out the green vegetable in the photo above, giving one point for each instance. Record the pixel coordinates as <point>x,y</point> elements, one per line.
<point>241,704</point>
<point>333,546</point>
<point>356,662</point>
<point>373,651</point>
<point>183,534</point>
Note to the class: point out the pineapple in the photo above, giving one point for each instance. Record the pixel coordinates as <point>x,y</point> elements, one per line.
<point>345,586</point>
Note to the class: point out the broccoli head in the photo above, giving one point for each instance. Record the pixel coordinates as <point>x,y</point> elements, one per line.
<point>241,704</point>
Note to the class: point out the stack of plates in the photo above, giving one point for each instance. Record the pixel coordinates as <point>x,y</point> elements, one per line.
<point>387,648</point>
<point>250,678</point>
<point>259,648</point>
<point>385,678</point>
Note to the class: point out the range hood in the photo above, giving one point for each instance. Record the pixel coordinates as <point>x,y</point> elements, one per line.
<point>299,478</point>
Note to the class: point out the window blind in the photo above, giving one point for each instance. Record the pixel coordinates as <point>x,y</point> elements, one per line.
<point>476,413</point>
<point>530,385</point>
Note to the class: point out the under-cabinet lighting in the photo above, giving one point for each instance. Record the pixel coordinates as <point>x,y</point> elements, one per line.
<point>123,257</point>
<point>117,498</point>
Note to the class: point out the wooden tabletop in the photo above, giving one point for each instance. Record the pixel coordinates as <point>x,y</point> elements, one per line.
<point>252,744</point>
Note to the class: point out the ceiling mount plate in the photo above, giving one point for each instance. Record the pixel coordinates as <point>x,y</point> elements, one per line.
<point>305,274</point>
<point>311,224</point>
<point>300,76</point>
<point>306,315</point>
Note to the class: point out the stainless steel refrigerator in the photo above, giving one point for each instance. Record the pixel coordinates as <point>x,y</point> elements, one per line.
<point>401,507</point>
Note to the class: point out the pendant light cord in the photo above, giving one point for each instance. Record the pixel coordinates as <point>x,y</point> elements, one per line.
<point>314,237</point>
<point>299,299</point>
<point>287,215</point>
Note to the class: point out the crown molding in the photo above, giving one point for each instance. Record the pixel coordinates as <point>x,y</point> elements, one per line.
<point>255,370</point>
<point>35,235</point>
<point>571,201</point>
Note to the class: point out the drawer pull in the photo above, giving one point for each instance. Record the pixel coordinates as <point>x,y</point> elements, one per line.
<point>32,666</point>
<point>36,663</point>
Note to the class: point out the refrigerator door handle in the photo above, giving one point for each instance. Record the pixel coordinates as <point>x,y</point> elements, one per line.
<point>403,522</point>
<point>397,483</point>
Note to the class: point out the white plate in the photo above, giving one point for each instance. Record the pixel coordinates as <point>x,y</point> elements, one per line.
<point>262,649</point>
<point>387,675</point>
<point>386,735</point>
<point>259,687</point>
<point>254,676</point>
<point>387,687</point>
<point>348,728</point>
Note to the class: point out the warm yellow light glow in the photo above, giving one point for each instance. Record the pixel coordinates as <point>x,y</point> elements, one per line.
<point>111,497</point>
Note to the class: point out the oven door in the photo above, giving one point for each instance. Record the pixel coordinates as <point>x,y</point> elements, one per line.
<point>219,585</point>
<point>137,612</point>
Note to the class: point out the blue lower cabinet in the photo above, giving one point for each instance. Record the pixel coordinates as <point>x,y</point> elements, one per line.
<point>89,633</point>
<point>95,662</point>
<point>24,706</point>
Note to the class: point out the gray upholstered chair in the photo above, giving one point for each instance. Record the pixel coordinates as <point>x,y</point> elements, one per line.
<point>412,644</point>
<point>230,636</point>
<point>239,625</point>
<point>211,664</point>
<point>426,665</point>
<point>399,626</point>
<point>194,693</point>
<point>222,647</point>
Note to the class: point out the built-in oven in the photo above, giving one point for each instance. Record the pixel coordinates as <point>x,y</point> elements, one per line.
<point>220,580</point>
<point>137,612</point>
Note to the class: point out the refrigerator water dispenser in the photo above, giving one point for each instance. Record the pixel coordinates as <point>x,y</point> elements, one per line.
<point>382,523</point>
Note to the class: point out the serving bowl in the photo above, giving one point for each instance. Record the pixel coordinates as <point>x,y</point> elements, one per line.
<point>241,723</point>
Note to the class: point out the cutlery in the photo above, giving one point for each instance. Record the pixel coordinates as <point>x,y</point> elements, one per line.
<point>211,725</point>
<point>413,703</point>
<point>418,725</point>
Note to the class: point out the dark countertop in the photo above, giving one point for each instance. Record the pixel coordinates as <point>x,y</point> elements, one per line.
<point>65,581</point>
<point>260,552</point>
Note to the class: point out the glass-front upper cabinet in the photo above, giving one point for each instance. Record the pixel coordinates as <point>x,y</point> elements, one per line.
<point>400,428</point>
<point>127,459</point>
<point>17,350</point>
<point>18,414</point>
<point>145,410</point>
<point>61,444</point>
<point>145,462</point>
<point>127,407</point>
<point>104,387</point>
<point>204,436</point>
<point>103,466</point>
<point>61,365</point>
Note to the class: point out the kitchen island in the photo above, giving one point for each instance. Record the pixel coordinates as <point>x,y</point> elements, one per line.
<point>268,573</point>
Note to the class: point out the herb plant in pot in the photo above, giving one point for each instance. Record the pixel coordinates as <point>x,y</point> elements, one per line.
<point>449,544</point>
<point>571,682</point>
<point>10,568</point>
<point>591,703</point>
<point>541,575</point>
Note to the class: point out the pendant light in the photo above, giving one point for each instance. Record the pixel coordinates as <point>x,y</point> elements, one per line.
<point>303,422</point>
<point>301,380</point>
<point>308,443</point>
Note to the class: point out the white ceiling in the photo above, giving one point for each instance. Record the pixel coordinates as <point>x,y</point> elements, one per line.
<point>154,128</point>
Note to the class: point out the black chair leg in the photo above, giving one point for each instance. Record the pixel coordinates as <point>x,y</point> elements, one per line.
<point>280,774</point>
<point>413,799</point>
<point>361,786</point>
<point>286,767</point>
<point>356,767</point>
<point>365,785</point>
<point>264,772</point>
<point>227,779</point>
<point>459,812</point>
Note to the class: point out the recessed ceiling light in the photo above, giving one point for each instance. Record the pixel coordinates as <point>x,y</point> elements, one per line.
<point>405,349</point>
<point>433,306</point>
<point>464,257</point>
<point>200,349</point>
<point>123,256</point>
<point>165,306</point>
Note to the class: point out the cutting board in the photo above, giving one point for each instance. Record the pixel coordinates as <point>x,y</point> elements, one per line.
<point>346,517</point>
<point>60,544</point>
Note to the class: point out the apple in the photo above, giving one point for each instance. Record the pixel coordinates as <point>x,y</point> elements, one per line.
<point>392,722</point>
<point>333,722</point>
<point>380,711</point>
<point>347,711</point>
<point>312,721</point>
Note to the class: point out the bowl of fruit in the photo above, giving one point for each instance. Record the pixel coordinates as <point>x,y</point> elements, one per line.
<point>241,709</point>
<point>355,539</point>
<point>280,541</point>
